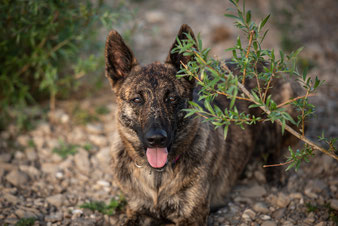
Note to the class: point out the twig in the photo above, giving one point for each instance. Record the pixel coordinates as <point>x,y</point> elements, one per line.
<point>279,164</point>
<point>247,53</point>
<point>294,99</point>
<point>303,115</point>
<point>267,88</point>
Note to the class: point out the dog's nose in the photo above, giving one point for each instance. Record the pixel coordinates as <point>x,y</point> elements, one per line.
<point>156,137</point>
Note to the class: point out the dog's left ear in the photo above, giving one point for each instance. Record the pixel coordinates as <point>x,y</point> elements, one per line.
<point>177,58</point>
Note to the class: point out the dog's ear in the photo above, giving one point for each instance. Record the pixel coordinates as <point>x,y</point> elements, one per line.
<point>119,58</point>
<point>176,58</point>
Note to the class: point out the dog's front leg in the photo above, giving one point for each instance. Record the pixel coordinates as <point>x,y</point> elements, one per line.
<point>198,217</point>
<point>132,218</point>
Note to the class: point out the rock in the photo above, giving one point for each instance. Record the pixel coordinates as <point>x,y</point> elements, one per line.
<point>282,200</point>
<point>334,204</point>
<point>260,177</point>
<point>11,198</point>
<point>308,192</point>
<point>11,219</point>
<point>248,214</point>
<point>327,162</point>
<point>54,217</point>
<point>31,154</point>
<point>96,128</point>
<point>26,213</point>
<point>30,170</point>
<point>254,191</point>
<point>278,214</point>
<point>55,200</point>
<point>269,223</point>
<point>49,168</point>
<point>23,140</point>
<point>265,217</point>
<point>38,141</point>
<point>321,224</point>
<point>19,155</point>
<point>98,140</point>
<point>310,218</point>
<point>155,16</point>
<point>287,223</point>
<point>17,178</point>
<point>82,161</point>
<point>316,185</point>
<point>5,157</point>
<point>296,195</point>
<point>261,207</point>
<point>103,183</point>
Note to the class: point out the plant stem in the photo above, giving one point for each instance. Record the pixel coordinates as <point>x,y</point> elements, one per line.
<point>247,54</point>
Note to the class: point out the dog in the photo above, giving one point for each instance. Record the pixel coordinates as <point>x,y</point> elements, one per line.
<point>173,169</point>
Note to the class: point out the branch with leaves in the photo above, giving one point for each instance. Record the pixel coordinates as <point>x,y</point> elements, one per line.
<point>215,78</point>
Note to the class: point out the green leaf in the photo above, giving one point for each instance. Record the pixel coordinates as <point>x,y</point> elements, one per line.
<point>248,16</point>
<point>261,24</point>
<point>226,129</point>
<point>231,16</point>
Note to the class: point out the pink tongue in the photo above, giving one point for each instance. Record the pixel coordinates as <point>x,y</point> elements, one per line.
<point>157,157</point>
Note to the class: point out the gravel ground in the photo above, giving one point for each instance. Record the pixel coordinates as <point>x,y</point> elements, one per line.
<point>36,182</point>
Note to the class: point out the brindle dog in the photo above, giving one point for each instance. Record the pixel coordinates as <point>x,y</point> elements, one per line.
<point>173,169</point>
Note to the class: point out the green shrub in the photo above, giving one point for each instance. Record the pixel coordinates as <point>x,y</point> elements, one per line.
<point>46,46</point>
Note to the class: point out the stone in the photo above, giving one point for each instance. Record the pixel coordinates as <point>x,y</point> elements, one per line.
<point>155,16</point>
<point>308,192</point>
<point>98,140</point>
<point>96,128</point>
<point>278,214</point>
<point>11,219</point>
<point>261,207</point>
<point>316,185</point>
<point>26,213</point>
<point>254,191</point>
<point>17,178</point>
<point>31,154</point>
<point>5,157</point>
<point>55,217</point>
<point>11,198</point>
<point>334,204</point>
<point>38,141</point>
<point>287,223</point>
<point>265,217</point>
<point>49,168</point>
<point>19,155</point>
<point>259,175</point>
<point>248,214</point>
<point>55,200</point>
<point>321,224</point>
<point>23,140</point>
<point>269,223</point>
<point>81,160</point>
<point>30,170</point>
<point>296,195</point>
<point>282,200</point>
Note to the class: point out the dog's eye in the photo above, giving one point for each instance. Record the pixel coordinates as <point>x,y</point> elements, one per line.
<point>137,100</point>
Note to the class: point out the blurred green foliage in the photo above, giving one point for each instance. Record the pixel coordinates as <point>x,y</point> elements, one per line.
<point>47,47</point>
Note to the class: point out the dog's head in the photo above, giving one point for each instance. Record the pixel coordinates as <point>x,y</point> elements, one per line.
<point>150,99</point>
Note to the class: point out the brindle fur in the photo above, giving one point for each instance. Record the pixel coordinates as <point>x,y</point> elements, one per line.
<point>201,167</point>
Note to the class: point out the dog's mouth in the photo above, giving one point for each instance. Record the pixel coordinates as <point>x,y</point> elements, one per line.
<point>157,157</point>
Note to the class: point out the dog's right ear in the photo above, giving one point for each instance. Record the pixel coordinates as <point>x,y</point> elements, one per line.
<point>119,58</point>
<point>177,59</point>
